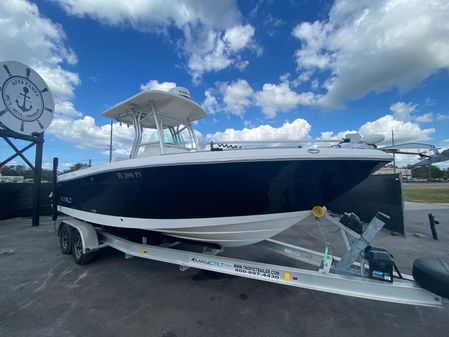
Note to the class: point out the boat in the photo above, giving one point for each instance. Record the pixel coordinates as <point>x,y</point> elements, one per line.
<point>229,194</point>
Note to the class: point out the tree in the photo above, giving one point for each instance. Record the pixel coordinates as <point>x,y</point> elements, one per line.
<point>76,167</point>
<point>47,175</point>
<point>425,172</point>
<point>25,172</point>
<point>13,170</point>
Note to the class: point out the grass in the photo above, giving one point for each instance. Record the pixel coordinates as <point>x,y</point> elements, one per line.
<point>428,195</point>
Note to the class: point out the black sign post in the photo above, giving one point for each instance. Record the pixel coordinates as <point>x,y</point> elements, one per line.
<point>37,140</point>
<point>433,223</point>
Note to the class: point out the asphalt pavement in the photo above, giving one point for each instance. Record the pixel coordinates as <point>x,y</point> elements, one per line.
<point>44,293</point>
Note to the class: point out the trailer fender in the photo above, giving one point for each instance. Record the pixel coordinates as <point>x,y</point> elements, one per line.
<point>87,232</point>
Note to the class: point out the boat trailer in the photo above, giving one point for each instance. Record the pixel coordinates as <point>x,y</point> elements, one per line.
<point>343,276</point>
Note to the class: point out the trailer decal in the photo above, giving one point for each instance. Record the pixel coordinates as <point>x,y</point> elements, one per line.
<point>253,270</point>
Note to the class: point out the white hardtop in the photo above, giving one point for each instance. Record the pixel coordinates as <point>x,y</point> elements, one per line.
<point>174,104</point>
<point>170,113</point>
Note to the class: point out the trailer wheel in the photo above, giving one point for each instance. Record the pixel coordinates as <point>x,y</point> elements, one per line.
<point>66,239</point>
<point>77,249</point>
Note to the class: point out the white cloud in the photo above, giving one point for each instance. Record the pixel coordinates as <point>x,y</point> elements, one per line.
<point>327,135</point>
<point>213,35</point>
<point>401,122</point>
<point>274,98</point>
<point>403,131</point>
<point>62,82</point>
<point>372,46</point>
<point>271,23</point>
<point>87,135</point>
<point>248,124</point>
<point>403,160</point>
<point>296,130</point>
<point>313,37</point>
<point>441,117</point>
<point>155,85</point>
<point>424,118</point>
<point>217,50</point>
<point>237,96</point>
<point>155,15</point>
<point>212,60</point>
<point>210,103</point>
<point>239,37</point>
<point>241,64</point>
<point>28,37</point>
<point>402,111</point>
<point>67,109</point>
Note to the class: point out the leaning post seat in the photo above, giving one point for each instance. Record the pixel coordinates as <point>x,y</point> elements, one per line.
<point>432,273</point>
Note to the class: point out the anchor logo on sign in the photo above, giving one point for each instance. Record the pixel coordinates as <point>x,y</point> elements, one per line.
<point>25,98</point>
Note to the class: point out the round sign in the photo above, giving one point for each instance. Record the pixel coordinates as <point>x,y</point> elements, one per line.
<point>26,103</point>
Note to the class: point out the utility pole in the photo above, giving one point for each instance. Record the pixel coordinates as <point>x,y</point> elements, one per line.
<point>110,145</point>
<point>394,155</point>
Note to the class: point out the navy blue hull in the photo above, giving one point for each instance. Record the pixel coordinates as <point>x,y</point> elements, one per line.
<point>214,190</point>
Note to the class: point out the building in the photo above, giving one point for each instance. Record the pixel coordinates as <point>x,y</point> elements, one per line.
<point>405,173</point>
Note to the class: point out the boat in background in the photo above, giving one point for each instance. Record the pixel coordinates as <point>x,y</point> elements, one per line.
<point>232,194</point>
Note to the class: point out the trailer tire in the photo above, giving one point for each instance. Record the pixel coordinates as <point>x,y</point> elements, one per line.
<point>66,239</point>
<point>77,250</point>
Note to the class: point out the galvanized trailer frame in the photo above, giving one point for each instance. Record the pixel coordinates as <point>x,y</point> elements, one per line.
<point>343,276</point>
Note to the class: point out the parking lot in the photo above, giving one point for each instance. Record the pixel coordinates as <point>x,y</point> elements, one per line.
<point>44,293</point>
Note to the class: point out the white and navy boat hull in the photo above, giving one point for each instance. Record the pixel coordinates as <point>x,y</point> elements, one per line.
<point>231,198</point>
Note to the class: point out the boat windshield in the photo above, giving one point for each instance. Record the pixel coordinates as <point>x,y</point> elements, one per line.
<point>171,137</point>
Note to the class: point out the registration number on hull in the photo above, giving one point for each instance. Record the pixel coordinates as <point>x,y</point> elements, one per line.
<point>127,175</point>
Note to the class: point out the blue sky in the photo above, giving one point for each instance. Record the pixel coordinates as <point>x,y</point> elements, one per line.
<point>261,69</point>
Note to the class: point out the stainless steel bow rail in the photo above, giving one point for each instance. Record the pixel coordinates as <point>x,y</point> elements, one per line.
<point>264,144</point>
<point>343,276</point>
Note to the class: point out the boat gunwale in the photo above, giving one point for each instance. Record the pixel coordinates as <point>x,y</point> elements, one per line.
<point>222,157</point>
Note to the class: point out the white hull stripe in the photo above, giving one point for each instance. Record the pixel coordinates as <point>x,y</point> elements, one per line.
<point>173,224</point>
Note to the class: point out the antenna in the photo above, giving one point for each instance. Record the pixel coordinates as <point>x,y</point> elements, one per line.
<point>110,144</point>
<point>394,155</point>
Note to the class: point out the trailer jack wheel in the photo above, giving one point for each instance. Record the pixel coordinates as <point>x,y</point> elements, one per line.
<point>66,239</point>
<point>77,250</point>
